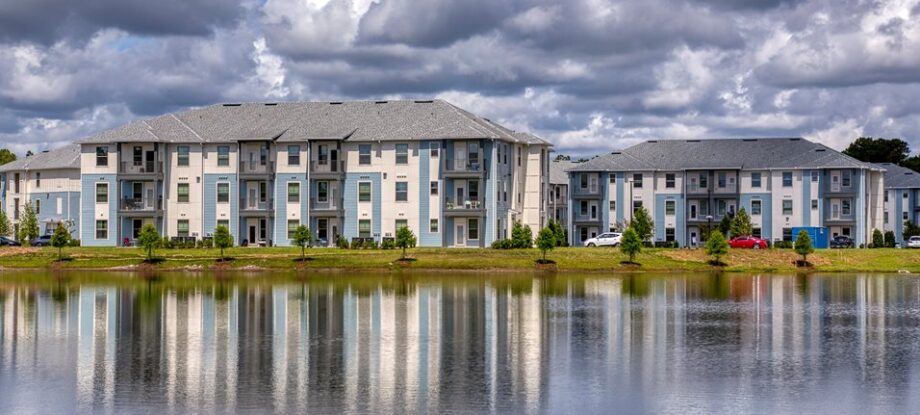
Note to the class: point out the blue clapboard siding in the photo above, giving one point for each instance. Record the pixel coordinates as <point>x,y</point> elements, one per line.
<point>487,225</point>
<point>88,210</point>
<point>350,195</point>
<point>766,209</point>
<point>680,225</point>
<point>281,202</point>
<point>209,203</point>
<point>70,208</point>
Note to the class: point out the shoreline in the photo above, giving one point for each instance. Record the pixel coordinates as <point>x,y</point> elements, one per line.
<point>474,260</point>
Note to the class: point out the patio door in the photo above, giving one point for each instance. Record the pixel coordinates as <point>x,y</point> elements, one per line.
<point>252,234</point>
<point>149,202</point>
<point>461,235</point>
<point>148,166</point>
<point>835,183</point>
<point>253,198</point>
<point>835,211</point>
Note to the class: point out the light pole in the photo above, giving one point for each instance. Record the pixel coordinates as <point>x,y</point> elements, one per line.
<point>708,226</point>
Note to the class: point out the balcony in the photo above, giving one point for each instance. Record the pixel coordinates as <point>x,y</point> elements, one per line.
<point>328,208</point>
<point>256,168</point>
<point>327,168</point>
<point>148,169</point>
<point>462,168</point>
<point>587,219</point>
<point>142,206</point>
<point>255,207</point>
<point>729,188</point>
<point>467,207</point>
<point>695,189</point>
<point>589,191</point>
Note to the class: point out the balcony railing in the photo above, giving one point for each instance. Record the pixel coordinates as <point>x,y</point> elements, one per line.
<point>728,188</point>
<point>255,204</point>
<point>466,204</point>
<point>695,188</point>
<point>153,167</point>
<point>327,166</point>
<point>591,189</point>
<point>463,166</point>
<point>140,205</point>
<point>256,167</point>
<point>328,204</point>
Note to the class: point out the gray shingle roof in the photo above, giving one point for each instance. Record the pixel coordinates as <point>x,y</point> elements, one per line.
<point>897,177</point>
<point>299,121</point>
<point>67,157</point>
<point>753,153</point>
<point>558,171</point>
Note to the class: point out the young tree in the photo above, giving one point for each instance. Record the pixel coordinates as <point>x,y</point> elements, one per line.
<point>642,224</point>
<point>222,239</point>
<point>546,241</point>
<point>302,238</point>
<point>28,225</point>
<point>741,224</point>
<point>405,239</point>
<point>558,232</point>
<point>149,239</point>
<point>631,244</point>
<point>725,226</point>
<point>60,239</point>
<point>878,240</point>
<point>521,236</point>
<point>5,227</point>
<point>6,156</point>
<point>716,246</point>
<point>803,246</point>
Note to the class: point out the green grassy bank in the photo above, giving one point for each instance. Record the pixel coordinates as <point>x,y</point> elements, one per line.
<point>567,259</point>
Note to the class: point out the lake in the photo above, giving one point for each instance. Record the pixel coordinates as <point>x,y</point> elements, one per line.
<point>459,343</point>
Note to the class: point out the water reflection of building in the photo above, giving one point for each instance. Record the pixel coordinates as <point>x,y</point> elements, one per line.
<point>433,346</point>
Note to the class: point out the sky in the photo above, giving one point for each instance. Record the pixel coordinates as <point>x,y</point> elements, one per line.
<point>591,76</point>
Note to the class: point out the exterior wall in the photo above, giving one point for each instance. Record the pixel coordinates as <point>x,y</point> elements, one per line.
<point>193,174</point>
<point>91,211</point>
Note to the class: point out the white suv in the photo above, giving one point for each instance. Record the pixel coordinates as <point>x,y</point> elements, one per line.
<point>605,239</point>
<point>913,242</point>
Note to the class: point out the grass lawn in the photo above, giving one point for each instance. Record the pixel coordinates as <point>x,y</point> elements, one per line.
<point>567,259</point>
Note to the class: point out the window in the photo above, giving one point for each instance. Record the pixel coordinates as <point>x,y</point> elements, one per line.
<point>60,205</point>
<point>401,223</point>
<point>721,180</point>
<point>293,192</point>
<point>756,232</point>
<point>102,156</point>
<point>16,182</point>
<point>845,207</point>
<point>435,150</point>
<point>402,191</point>
<point>613,178</point>
<point>322,191</point>
<point>102,229</point>
<point>846,178</point>
<point>364,228</point>
<point>473,233</point>
<point>637,180</point>
<point>669,181</point>
<point>182,156</point>
<point>787,234</point>
<point>583,208</point>
<point>223,222</point>
<point>138,155</point>
<point>704,180</point>
<point>182,193</point>
<point>102,193</point>
<point>669,207</point>
<point>223,193</point>
<point>613,205</point>
<point>584,180</point>
<point>292,226</point>
<point>402,154</point>
<point>433,226</point>
<point>472,188</point>
<point>584,233</point>
<point>669,234</point>
<point>886,216</point>
<point>293,155</point>
<point>755,180</point>
<point>364,154</point>
<point>434,188</point>
<point>755,207</point>
<point>519,157</point>
<point>787,207</point>
<point>904,216</point>
<point>38,179</point>
<point>637,204</point>
<point>814,204</point>
<point>364,191</point>
<point>814,176</point>
<point>787,179</point>
<point>38,207</point>
<point>182,228</point>
<point>223,155</point>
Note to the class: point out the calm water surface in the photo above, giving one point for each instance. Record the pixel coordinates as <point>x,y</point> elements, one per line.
<point>733,344</point>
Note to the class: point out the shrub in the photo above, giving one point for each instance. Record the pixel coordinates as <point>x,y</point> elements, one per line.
<point>782,244</point>
<point>910,230</point>
<point>74,243</point>
<point>502,244</point>
<point>388,243</point>
<point>878,240</point>
<point>889,239</point>
<point>559,233</point>
<point>546,240</point>
<point>725,226</point>
<point>630,244</point>
<point>341,242</point>
<point>521,236</point>
<point>803,245</point>
<point>666,244</point>
<point>716,246</point>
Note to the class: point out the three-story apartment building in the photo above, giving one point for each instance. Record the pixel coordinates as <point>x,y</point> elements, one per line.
<point>351,169</point>
<point>50,182</point>
<point>902,199</point>
<point>686,185</point>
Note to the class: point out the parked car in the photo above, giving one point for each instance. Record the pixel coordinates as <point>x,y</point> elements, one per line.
<point>4,241</point>
<point>605,239</point>
<point>748,242</point>
<point>913,242</point>
<point>44,240</point>
<point>842,241</point>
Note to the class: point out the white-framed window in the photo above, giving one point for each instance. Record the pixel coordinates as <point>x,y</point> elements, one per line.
<point>293,153</point>
<point>434,187</point>
<point>787,179</point>
<point>473,229</point>
<point>669,207</point>
<point>845,207</point>
<point>755,207</point>
<point>38,207</point>
<point>102,229</point>
<point>364,228</point>
<point>292,225</point>
<point>402,191</point>
<point>102,156</point>
<point>755,180</point>
<point>182,156</point>
<point>433,226</point>
<point>223,193</point>
<point>787,207</point>
<point>669,180</point>
<point>182,228</point>
<point>637,180</point>
<point>102,193</point>
<point>38,179</point>
<point>364,191</point>
<point>182,193</point>
<point>293,191</point>
<point>364,154</point>
<point>434,150</point>
<point>402,153</point>
<point>322,191</point>
<point>223,155</point>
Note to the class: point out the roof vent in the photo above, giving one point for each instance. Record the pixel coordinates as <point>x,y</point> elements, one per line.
<point>906,174</point>
<point>693,141</point>
<point>45,151</point>
<point>232,105</point>
<point>652,141</point>
<point>616,152</point>
<point>271,104</point>
<point>749,139</point>
<point>820,150</point>
<point>424,102</point>
<point>335,103</point>
<point>795,139</point>
<point>380,102</point>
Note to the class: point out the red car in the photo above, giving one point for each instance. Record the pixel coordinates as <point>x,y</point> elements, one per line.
<point>747,242</point>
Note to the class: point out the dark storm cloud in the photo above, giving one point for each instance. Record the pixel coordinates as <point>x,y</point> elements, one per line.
<point>590,75</point>
<point>47,21</point>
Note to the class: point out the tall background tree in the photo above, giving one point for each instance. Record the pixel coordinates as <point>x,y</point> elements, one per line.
<point>6,156</point>
<point>878,150</point>
<point>741,224</point>
<point>28,225</point>
<point>643,224</point>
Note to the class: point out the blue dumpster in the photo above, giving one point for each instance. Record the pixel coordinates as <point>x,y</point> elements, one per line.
<point>819,236</point>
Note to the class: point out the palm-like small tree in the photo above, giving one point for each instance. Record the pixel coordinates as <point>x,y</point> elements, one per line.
<point>149,239</point>
<point>302,238</point>
<point>60,239</point>
<point>405,239</point>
